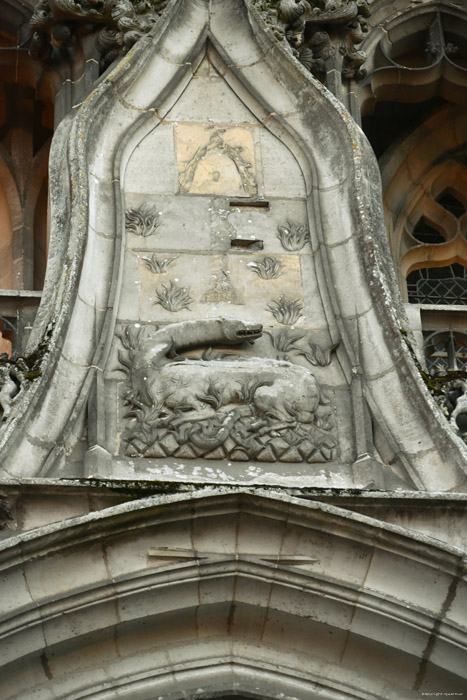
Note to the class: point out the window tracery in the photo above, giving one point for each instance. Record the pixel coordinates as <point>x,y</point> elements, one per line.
<point>414,111</point>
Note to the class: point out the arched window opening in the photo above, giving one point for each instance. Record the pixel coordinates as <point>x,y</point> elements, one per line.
<point>414,112</point>
<point>451,202</point>
<point>425,233</point>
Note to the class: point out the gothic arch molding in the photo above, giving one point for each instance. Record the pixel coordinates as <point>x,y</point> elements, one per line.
<point>147,619</point>
<point>353,234</point>
<point>415,54</point>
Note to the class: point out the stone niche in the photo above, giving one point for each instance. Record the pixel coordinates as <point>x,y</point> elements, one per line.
<point>222,365</point>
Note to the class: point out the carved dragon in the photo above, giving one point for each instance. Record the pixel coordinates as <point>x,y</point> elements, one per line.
<point>161,346</point>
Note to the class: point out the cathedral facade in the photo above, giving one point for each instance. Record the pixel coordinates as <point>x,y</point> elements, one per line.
<point>233,380</point>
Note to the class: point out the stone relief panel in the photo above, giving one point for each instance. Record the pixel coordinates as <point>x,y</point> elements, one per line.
<point>218,407</point>
<point>218,252</point>
<point>213,160</point>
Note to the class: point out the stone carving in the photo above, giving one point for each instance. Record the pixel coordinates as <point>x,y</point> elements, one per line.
<point>286,311</point>
<point>9,388</point>
<point>172,297</point>
<point>220,146</point>
<point>316,355</point>
<point>449,390</point>
<point>314,54</point>
<point>17,373</point>
<point>285,342</point>
<point>315,29</point>
<point>268,268</point>
<point>156,264</point>
<point>353,58</point>
<point>458,398</point>
<point>293,237</point>
<point>220,287</point>
<point>142,221</point>
<point>120,24</point>
<point>239,409</point>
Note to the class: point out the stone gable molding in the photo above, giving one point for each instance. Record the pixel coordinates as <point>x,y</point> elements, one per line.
<point>304,581</point>
<point>344,204</point>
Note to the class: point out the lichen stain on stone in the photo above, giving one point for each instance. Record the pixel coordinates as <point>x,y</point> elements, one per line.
<point>45,666</point>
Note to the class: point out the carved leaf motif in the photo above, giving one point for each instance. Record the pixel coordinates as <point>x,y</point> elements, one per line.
<point>248,389</point>
<point>54,23</point>
<point>293,237</point>
<point>172,297</point>
<point>142,221</point>
<point>158,265</point>
<point>285,340</point>
<point>288,18</point>
<point>268,268</point>
<point>286,311</point>
<point>317,356</point>
<point>124,361</point>
<point>212,396</point>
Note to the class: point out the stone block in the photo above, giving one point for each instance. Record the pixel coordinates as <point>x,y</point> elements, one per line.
<point>151,168</point>
<point>210,99</point>
<point>281,171</point>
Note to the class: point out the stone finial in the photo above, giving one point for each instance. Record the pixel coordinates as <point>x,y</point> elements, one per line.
<point>314,30</point>
<point>120,24</point>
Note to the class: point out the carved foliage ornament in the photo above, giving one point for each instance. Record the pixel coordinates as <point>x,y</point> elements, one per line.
<point>312,29</point>
<point>17,374</point>
<point>120,23</point>
<point>315,29</point>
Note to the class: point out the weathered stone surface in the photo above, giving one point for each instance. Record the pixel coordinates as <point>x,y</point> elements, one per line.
<point>282,555</point>
<point>185,254</point>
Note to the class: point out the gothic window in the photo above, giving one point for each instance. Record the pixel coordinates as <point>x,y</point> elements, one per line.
<point>414,111</point>
<point>435,244</point>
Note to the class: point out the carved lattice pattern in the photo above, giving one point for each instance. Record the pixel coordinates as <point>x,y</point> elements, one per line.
<point>438,285</point>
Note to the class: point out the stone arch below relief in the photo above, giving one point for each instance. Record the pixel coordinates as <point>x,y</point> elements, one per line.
<point>218,226</point>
